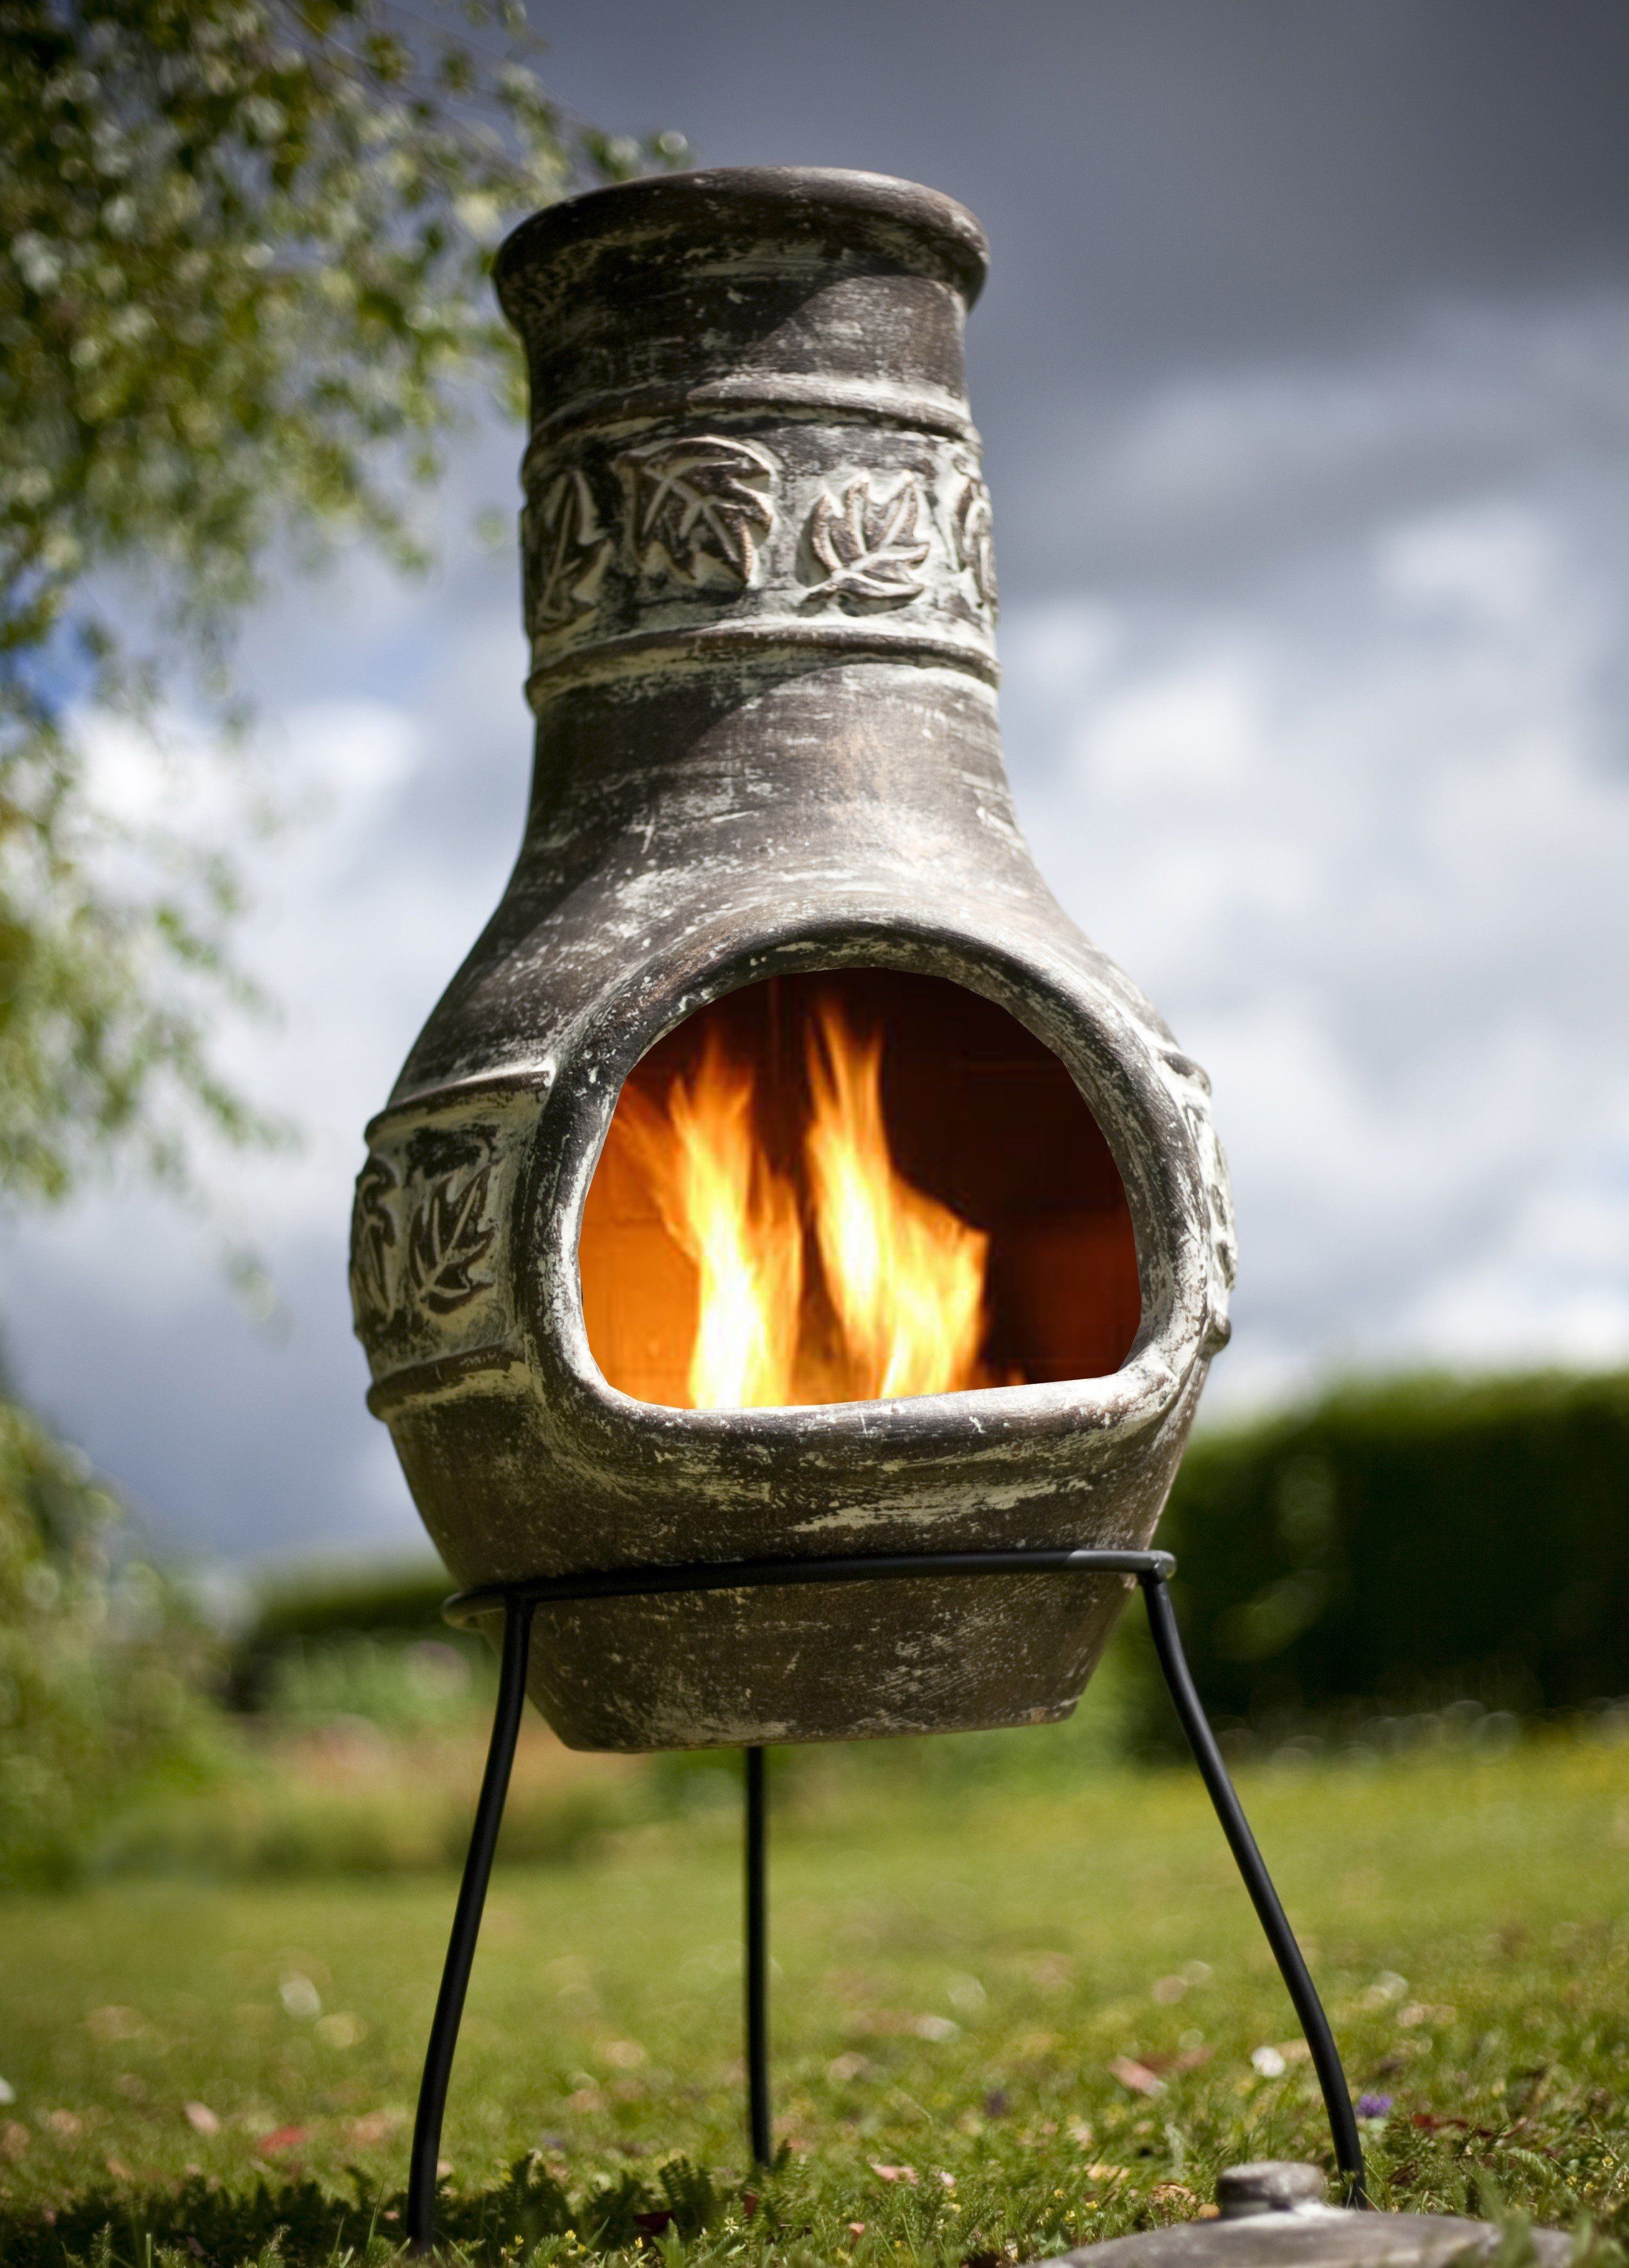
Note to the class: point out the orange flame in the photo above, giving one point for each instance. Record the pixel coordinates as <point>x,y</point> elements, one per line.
<point>902,1278</point>
<point>906,1276</point>
<point>734,1218</point>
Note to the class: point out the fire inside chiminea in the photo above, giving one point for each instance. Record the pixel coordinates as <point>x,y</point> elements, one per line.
<point>851,1186</point>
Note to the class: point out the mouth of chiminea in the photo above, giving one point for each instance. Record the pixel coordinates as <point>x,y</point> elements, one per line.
<point>853,1185</point>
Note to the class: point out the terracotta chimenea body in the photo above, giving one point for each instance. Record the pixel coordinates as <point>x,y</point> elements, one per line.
<point>770,806</point>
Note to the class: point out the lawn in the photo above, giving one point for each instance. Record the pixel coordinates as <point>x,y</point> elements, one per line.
<point>1005,2024</point>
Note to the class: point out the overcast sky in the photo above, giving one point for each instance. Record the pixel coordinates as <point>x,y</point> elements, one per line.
<point>1304,376</point>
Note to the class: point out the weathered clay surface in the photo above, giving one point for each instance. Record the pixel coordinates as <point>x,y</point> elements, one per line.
<point>760,593</point>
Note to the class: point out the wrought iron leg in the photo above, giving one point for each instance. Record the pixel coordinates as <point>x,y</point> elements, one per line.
<point>461,1952</point>
<point>1302,1992</point>
<point>757,1962</point>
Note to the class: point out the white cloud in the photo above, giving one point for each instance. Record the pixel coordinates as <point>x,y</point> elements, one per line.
<point>1359,825</point>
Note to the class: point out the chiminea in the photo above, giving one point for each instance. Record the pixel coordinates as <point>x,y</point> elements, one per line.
<point>782,1174</point>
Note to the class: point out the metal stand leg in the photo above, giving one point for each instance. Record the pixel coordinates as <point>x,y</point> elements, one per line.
<point>1302,1992</point>
<point>757,1963</point>
<point>461,1952</point>
<point>520,1601</point>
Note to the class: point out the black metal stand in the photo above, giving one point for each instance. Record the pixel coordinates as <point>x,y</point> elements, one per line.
<point>519,1603</point>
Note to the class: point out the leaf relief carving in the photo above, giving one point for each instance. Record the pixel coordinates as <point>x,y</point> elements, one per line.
<point>449,1239</point>
<point>972,533</point>
<point>870,545</point>
<point>418,1249</point>
<point>374,1243</point>
<point>700,508</point>
<point>567,551</point>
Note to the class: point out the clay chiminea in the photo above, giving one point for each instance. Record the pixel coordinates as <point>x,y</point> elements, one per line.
<point>906,1180</point>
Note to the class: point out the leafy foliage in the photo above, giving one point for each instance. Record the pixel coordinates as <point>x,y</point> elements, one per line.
<point>100,1666</point>
<point>243,251</point>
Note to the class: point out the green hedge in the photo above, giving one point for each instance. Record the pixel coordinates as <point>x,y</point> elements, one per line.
<point>314,1608</point>
<point>340,1603</point>
<point>1412,1542</point>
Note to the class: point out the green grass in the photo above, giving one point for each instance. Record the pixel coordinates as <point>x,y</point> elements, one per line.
<point>958,1976</point>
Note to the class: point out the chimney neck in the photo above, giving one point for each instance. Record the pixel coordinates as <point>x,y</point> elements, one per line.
<point>750,442</point>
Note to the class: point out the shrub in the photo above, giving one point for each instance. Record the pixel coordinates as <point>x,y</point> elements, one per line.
<point>302,1616</point>
<point>1410,1541</point>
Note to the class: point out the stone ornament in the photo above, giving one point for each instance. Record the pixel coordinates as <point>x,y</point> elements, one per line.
<point>760,589</point>
<point>1277,2215</point>
<point>870,545</point>
<point>568,551</point>
<point>698,509</point>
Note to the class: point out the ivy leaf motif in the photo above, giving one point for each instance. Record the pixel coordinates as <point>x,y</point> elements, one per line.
<point>374,1239</point>
<point>869,545</point>
<point>701,507</point>
<point>567,551</point>
<point>972,534</point>
<point>449,1241</point>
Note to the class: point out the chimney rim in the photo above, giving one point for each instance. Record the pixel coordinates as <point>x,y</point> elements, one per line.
<point>885,215</point>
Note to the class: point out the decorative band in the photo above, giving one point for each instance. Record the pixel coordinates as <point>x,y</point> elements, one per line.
<point>690,539</point>
<point>870,401</point>
<point>852,640</point>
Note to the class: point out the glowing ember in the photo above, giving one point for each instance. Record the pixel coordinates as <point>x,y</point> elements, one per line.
<point>850,1286</point>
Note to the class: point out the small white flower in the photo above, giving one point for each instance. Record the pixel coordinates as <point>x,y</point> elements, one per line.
<point>1268,2061</point>
<point>8,2092</point>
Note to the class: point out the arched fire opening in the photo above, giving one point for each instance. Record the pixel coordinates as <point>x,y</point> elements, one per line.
<point>850,1185</point>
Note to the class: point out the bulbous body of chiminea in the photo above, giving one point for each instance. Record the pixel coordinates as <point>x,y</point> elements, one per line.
<point>760,592</point>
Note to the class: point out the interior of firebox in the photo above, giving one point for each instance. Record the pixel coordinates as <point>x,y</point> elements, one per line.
<point>847,1186</point>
